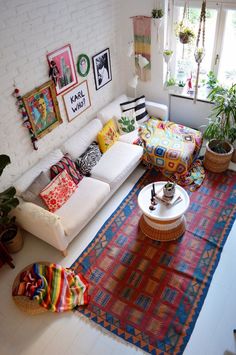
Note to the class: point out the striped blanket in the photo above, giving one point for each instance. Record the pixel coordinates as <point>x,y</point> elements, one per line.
<point>56,288</point>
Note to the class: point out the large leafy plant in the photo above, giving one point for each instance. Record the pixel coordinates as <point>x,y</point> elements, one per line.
<point>8,201</point>
<point>222,121</point>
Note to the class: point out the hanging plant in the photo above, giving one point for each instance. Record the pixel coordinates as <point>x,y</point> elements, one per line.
<point>167,54</point>
<point>157,13</point>
<point>185,33</point>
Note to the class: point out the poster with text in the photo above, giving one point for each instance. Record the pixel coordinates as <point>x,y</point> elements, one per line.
<point>77,100</point>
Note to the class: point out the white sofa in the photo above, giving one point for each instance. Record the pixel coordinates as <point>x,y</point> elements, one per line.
<point>116,164</point>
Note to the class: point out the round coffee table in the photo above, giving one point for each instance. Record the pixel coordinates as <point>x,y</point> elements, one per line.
<point>166,222</point>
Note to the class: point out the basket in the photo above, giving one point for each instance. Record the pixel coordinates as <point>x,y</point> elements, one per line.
<point>215,162</point>
<point>23,302</point>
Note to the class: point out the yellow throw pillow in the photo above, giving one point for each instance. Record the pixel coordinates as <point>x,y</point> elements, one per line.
<point>107,136</point>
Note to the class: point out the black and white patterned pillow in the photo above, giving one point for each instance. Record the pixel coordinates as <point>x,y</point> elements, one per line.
<point>89,159</point>
<point>139,106</point>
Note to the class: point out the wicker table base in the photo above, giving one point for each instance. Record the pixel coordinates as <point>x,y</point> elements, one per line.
<point>162,230</point>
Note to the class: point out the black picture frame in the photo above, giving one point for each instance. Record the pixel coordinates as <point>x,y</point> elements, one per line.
<point>102,68</point>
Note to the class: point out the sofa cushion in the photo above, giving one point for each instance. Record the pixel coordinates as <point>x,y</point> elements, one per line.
<point>139,106</point>
<point>127,122</point>
<point>77,211</point>
<point>66,163</point>
<point>58,191</point>
<point>89,159</point>
<point>130,137</point>
<point>107,136</point>
<point>31,194</point>
<point>79,142</point>
<point>111,110</point>
<point>44,164</point>
<point>116,162</point>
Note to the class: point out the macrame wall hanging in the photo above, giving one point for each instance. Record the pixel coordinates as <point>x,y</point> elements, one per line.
<point>200,45</point>
<point>142,46</point>
<point>24,116</point>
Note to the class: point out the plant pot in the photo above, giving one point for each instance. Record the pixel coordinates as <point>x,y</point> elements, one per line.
<point>216,162</point>
<point>12,239</point>
<point>169,191</point>
<point>184,37</point>
<point>233,158</point>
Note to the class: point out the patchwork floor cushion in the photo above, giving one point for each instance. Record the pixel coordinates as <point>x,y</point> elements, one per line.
<point>169,146</point>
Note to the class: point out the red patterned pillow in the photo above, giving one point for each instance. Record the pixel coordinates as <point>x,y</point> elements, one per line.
<point>66,163</point>
<point>58,191</point>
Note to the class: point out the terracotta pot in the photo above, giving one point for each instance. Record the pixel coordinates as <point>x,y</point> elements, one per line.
<point>12,239</point>
<point>215,162</point>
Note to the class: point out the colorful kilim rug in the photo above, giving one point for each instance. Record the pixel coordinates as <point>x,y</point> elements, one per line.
<point>150,293</point>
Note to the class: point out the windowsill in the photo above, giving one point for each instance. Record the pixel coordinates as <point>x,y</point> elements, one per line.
<point>182,92</point>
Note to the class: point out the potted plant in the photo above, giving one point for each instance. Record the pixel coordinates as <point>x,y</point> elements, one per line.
<point>185,33</point>
<point>221,130</point>
<point>169,189</point>
<point>157,13</point>
<point>10,234</point>
<point>167,54</point>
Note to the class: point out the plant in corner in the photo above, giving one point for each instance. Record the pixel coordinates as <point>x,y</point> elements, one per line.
<point>221,129</point>
<point>9,232</point>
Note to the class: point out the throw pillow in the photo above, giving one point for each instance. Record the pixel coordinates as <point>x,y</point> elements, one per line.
<point>127,122</point>
<point>139,106</point>
<point>31,194</point>
<point>89,159</point>
<point>58,191</point>
<point>107,136</point>
<point>66,163</point>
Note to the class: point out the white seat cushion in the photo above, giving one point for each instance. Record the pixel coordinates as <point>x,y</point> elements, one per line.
<point>44,164</point>
<point>116,162</point>
<point>129,137</point>
<point>79,142</point>
<point>87,198</point>
<point>111,110</point>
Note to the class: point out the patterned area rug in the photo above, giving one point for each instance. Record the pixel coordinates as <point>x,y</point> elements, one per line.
<point>150,293</point>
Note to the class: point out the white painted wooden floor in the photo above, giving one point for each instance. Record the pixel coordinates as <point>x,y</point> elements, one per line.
<point>49,334</point>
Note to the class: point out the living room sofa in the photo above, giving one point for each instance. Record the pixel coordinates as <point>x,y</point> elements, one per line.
<point>116,164</point>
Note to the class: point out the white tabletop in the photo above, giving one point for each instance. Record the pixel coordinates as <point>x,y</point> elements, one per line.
<point>162,212</point>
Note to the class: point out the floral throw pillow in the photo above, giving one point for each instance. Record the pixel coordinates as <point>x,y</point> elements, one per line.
<point>58,191</point>
<point>127,122</point>
<point>66,163</point>
<point>107,136</point>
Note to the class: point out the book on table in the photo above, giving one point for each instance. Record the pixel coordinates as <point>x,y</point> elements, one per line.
<point>167,200</point>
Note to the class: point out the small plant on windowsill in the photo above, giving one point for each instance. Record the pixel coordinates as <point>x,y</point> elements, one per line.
<point>170,82</point>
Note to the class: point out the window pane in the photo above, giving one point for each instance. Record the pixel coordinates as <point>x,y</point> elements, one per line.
<point>227,66</point>
<point>185,62</point>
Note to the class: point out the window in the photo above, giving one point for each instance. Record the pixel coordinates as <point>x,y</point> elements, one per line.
<point>220,39</point>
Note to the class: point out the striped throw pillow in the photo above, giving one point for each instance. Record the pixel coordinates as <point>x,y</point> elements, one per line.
<point>139,106</point>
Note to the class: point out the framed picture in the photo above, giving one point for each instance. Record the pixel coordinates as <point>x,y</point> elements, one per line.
<point>83,65</point>
<point>63,60</point>
<point>102,68</point>
<point>42,108</point>
<point>77,100</point>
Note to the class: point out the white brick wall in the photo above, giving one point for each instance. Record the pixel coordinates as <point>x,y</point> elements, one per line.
<point>28,30</point>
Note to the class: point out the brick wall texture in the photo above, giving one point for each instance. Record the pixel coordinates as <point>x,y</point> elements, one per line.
<point>28,30</point>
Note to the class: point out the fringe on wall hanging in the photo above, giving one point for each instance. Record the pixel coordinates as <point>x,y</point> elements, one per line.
<point>24,116</point>
<point>199,52</point>
<point>142,46</point>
